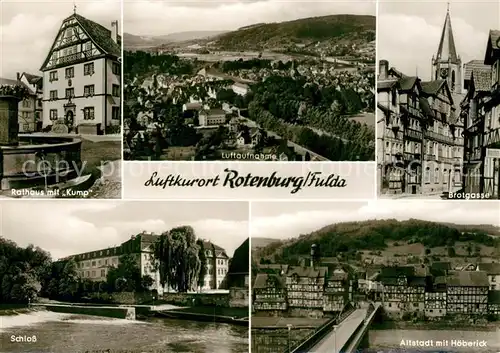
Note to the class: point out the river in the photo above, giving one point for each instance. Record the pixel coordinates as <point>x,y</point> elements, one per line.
<point>64,333</point>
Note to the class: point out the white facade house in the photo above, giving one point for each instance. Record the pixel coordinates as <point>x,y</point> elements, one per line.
<point>81,77</point>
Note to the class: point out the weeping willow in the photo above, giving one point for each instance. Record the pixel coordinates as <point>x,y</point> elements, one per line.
<point>177,256</point>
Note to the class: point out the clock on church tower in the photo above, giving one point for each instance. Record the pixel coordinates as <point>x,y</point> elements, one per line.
<point>443,73</point>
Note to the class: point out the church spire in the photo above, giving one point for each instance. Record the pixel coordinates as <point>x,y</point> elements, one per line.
<point>446,50</point>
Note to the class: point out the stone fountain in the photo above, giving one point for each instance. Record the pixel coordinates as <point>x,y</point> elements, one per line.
<point>32,161</point>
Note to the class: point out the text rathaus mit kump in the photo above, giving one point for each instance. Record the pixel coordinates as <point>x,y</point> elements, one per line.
<point>232,179</point>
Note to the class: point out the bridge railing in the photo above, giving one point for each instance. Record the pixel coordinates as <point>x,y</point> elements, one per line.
<point>322,331</point>
<point>354,341</point>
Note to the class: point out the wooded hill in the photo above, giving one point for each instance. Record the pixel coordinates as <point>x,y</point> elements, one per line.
<point>306,30</point>
<point>376,235</point>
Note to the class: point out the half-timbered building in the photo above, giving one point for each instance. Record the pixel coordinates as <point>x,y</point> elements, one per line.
<point>81,77</point>
<point>269,293</point>
<point>494,303</point>
<point>435,298</point>
<point>467,293</point>
<point>336,291</point>
<point>403,290</point>
<point>493,272</point>
<point>442,154</point>
<point>400,138</point>
<point>305,287</point>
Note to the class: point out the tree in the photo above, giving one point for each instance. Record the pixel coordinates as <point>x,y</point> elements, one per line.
<point>203,263</point>
<point>126,276</point>
<point>178,259</point>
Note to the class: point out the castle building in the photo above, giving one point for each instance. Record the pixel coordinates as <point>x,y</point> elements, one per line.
<point>95,265</point>
<point>217,266</point>
<point>81,76</point>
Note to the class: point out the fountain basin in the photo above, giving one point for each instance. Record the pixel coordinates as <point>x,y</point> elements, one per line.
<point>39,161</point>
<point>9,124</point>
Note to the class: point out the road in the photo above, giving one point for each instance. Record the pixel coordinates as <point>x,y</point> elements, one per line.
<point>338,338</point>
<point>298,148</point>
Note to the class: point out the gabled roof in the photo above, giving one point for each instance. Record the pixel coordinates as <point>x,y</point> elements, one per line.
<point>8,81</point>
<point>489,268</point>
<point>213,112</point>
<point>493,47</point>
<point>432,88</point>
<point>307,271</point>
<point>264,280</point>
<point>100,35</point>
<point>446,49</point>
<point>474,65</point>
<point>211,246</point>
<point>397,271</point>
<point>468,279</point>
<point>481,79</point>
<point>406,83</point>
<point>33,79</point>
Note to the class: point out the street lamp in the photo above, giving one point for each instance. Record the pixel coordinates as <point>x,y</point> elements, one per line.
<point>289,326</point>
<point>335,338</point>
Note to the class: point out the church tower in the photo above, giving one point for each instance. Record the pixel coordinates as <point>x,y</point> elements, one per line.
<point>446,64</point>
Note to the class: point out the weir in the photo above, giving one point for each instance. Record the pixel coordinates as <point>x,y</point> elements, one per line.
<point>117,312</point>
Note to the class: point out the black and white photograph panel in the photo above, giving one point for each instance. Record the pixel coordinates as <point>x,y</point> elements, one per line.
<point>380,277</point>
<point>438,122</point>
<point>60,100</point>
<point>266,80</point>
<point>111,276</point>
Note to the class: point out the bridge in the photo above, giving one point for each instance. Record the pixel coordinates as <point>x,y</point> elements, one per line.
<point>342,334</point>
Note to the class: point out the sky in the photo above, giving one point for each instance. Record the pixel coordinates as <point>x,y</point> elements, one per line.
<point>153,17</point>
<point>28,29</point>
<point>289,220</point>
<point>409,31</point>
<point>69,227</point>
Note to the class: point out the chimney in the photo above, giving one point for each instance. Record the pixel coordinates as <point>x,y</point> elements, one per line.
<point>383,68</point>
<point>114,31</point>
<point>18,76</point>
<point>314,255</point>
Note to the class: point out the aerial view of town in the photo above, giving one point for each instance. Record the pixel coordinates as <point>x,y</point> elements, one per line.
<point>233,82</point>
<point>438,131</point>
<point>382,277</point>
<point>105,284</point>
<point>60,100</point>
